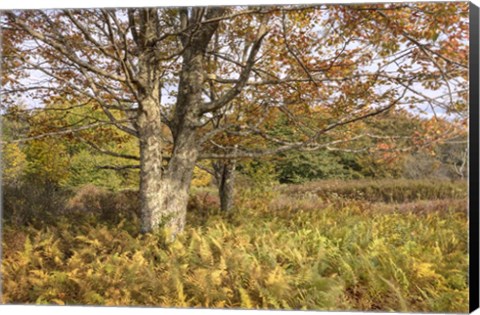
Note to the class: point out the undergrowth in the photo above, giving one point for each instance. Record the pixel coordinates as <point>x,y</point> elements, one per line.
<point>321,255</point>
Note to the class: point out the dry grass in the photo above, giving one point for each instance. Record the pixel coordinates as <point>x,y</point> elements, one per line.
<point>385,190</point>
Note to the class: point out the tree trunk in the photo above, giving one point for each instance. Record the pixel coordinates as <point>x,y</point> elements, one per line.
<point>176,181</point>
<point>225,178</point>
<point>165,205</point>
<point>164,195</point>
<point>150,128</point>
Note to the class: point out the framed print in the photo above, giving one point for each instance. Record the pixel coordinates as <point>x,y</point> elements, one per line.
<point>291,156</point>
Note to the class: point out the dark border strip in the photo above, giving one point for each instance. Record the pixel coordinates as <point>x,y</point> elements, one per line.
<point>473,158</point>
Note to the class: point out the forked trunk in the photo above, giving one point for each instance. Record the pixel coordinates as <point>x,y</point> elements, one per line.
<point>164,194</point>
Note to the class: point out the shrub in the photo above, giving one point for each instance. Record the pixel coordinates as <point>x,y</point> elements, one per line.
<point>31,201</point>
<point>105,205</point>
<point>258,175</point>
<point>299,167</point>
<point>202,205</point>
<point>201,178</point>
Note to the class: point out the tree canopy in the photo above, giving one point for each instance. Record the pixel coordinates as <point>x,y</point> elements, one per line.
<point>198,83</point>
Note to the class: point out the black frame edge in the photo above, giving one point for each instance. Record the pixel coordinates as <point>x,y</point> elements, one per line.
<point>474,158</point>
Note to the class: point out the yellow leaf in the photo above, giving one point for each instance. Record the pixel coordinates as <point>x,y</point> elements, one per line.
<point>58,301</point>
<point>245,298</point>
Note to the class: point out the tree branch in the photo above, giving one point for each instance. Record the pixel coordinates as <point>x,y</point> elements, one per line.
<point>56,133</point>
<point>232,93</point>
<point>60,46</point>
<point>108,152</point>
<point>118,168</point>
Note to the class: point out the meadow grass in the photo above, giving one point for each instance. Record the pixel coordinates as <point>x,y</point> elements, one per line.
<point>386,190</point>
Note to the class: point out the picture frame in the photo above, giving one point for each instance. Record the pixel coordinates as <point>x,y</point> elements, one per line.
<point>473,175</point>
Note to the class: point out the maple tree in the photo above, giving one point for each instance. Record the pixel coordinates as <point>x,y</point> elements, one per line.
<point>210,82</point>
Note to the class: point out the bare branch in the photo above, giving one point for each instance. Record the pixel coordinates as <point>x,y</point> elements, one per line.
<point>56,133</point>
<point>290,50</point>
<point>60,46</point>
<point>108,152</point>
<point>307,145</point>
<point>118,168</point>
<point>232,93</point>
